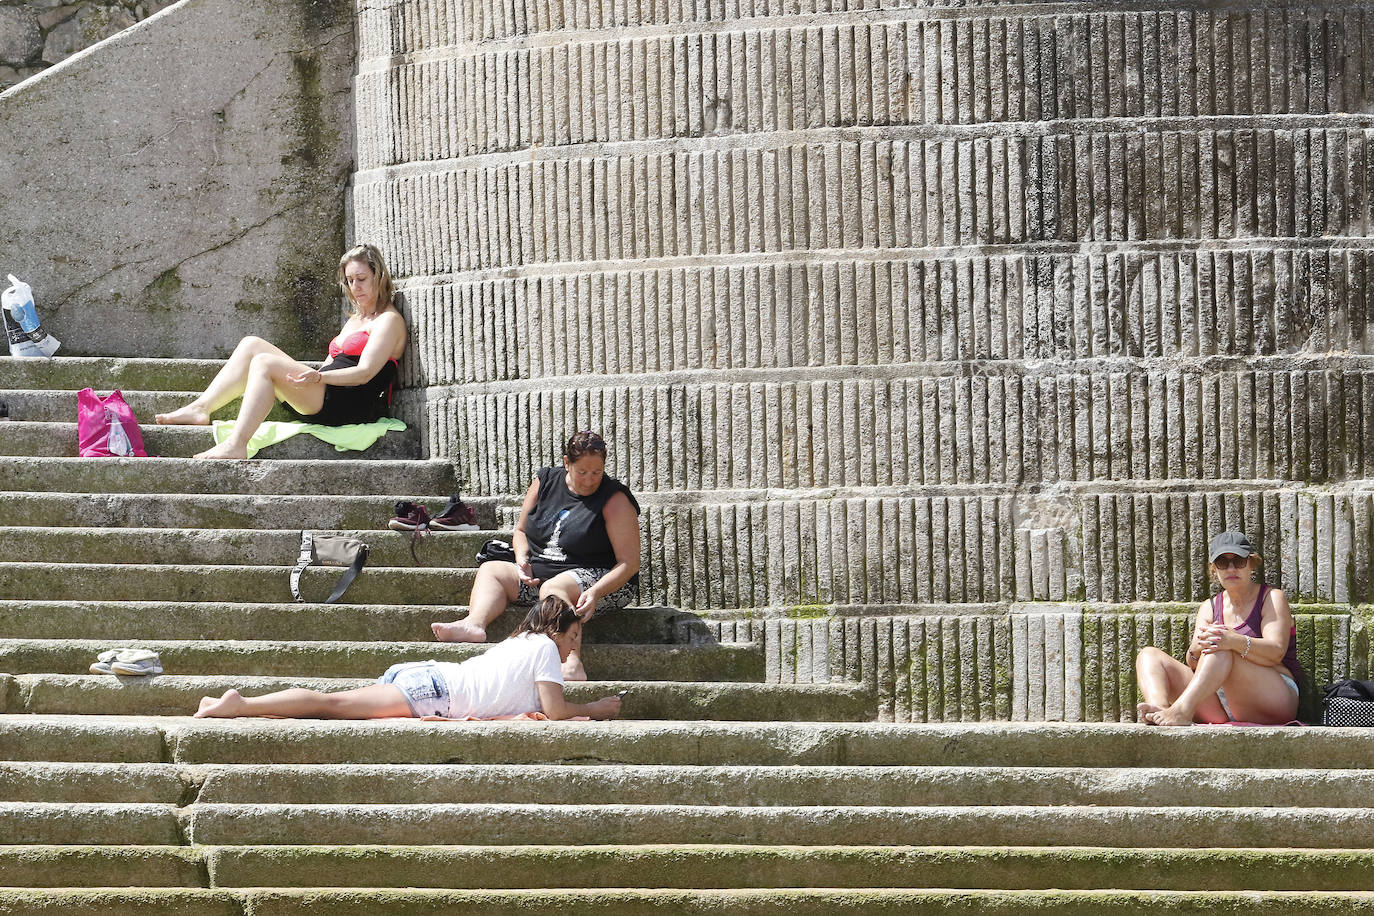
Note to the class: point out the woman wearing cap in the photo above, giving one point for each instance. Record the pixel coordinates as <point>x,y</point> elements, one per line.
<point>1242,663</point>
<point>577,538</point>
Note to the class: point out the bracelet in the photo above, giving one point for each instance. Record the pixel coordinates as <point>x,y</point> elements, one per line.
<point>1247,647</point>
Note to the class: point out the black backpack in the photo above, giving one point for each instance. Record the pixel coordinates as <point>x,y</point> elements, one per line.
<point>1349,702</point>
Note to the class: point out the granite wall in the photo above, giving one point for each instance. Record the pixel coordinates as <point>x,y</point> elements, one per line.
<point>898,308</point>
<point>35,34</point>
<point>184,183</point>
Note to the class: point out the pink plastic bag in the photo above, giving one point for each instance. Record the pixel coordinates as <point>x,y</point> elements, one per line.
<point>106,428</point>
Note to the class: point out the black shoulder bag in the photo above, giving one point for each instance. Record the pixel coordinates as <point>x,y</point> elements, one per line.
<point>1349,703</point>
<point>496,549</point>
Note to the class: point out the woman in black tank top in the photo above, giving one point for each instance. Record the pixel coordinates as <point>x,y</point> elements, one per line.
<point>577,538</point>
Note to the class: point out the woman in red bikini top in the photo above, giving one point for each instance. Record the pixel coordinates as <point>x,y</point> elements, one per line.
<point>1242,663</point>
<point>355,386</point>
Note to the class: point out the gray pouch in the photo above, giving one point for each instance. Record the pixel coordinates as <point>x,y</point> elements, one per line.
<point>329,550</point>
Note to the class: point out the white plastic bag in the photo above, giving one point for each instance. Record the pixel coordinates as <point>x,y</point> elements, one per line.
<point>26,336</point>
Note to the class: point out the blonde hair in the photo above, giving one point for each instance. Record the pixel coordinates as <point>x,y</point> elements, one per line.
<point>372,257</point>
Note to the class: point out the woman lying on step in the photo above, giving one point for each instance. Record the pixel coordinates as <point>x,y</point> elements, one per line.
<point>1242,663</point>
<point>521,674</point>
<point>353,387</point>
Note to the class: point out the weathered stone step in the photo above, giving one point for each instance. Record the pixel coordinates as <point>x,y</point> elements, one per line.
<point>59,440</point>
<point>113,823</point>
<point>179,695</point>
<point>151,738</point>
<point>198,510</point>
<point>736,662</point>
<point>122,621</point>
<point>548,824</point>
<point>102,866</point>
<point>229,546</point>
<point>409,784</point>
<point>59,406</point>
<point>632,902</point>
<point>105,373</point>
<point>695,866</point>
<point>228,584</point>
<point>124,783</point>
<point>182,475</point>
<point>503,824</point>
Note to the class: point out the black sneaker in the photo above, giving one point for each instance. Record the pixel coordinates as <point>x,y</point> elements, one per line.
<point>409,517</point>
<point>457,516</point>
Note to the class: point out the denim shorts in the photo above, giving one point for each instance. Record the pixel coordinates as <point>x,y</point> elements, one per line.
<point>423,686</point>
<point>586,578</point>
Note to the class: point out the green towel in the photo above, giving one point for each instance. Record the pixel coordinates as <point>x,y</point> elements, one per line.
<point>353,437</point>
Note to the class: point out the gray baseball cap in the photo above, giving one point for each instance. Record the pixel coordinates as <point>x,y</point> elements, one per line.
<point>1229,542</point>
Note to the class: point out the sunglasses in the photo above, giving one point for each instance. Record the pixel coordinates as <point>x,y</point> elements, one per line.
<point>1230,561</point>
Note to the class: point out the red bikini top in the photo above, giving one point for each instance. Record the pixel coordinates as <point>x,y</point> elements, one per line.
<point>352,345</point>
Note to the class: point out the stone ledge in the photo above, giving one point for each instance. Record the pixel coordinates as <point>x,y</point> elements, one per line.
<point>686,866</point>
<point>691,742</point>
<point>629,902</point>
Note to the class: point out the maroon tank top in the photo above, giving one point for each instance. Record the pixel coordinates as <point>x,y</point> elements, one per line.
<point>1250,626</point>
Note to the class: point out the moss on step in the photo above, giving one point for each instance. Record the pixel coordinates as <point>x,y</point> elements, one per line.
<point>733,866</point>
<point>808,611</point>
<point>738,902</point>
<point>101,866</point>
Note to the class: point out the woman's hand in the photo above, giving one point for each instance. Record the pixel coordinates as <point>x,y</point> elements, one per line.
<point>604,708</point>
<point>308,377</point>
<point>586,603</point>
<point>525,571</point>
<point>1216,638</point>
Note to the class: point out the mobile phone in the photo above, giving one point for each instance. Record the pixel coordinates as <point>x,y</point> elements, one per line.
<point>622,693</point>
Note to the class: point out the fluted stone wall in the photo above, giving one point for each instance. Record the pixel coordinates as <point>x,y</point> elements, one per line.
<point>1050,665</point>
<point>899,307</point>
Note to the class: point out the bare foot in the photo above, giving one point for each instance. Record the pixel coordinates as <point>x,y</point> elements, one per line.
<point>1169,715</point>
<point>190,415</point>
<point>223,450</point>
<point>573,670</point>
<point>1144,710</point>
<point>458,631</point>
<point>226,707</point>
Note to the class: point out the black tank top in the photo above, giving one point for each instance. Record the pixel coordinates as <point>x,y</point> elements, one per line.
<point>567,531</point>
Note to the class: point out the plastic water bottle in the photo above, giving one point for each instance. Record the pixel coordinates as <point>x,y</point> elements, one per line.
<point>117,440</point>
<point>19,301</point>
<point>22,327</point>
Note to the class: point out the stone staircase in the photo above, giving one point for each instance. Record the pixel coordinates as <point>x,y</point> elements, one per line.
<point>263,817</point>
<point>111,796</point>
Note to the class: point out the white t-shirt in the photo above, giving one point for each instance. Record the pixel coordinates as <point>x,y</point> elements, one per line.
<point>502,680</point>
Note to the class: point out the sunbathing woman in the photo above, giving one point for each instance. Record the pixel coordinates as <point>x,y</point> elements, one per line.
<point>520,674</point>
<point>1242,664</point>
<point>353,387</point>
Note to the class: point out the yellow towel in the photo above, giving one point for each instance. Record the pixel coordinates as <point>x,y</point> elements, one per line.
<point>354,437</point>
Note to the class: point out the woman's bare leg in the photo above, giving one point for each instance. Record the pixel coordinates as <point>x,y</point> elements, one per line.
<point>266,383</point>
<point>1198,701</point>
<point>497,585</point>
<point>376,701</point>
<point>1257,693</point>
<point>566,586</point>
<point>1161,679</point>
<point>227,384</point>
